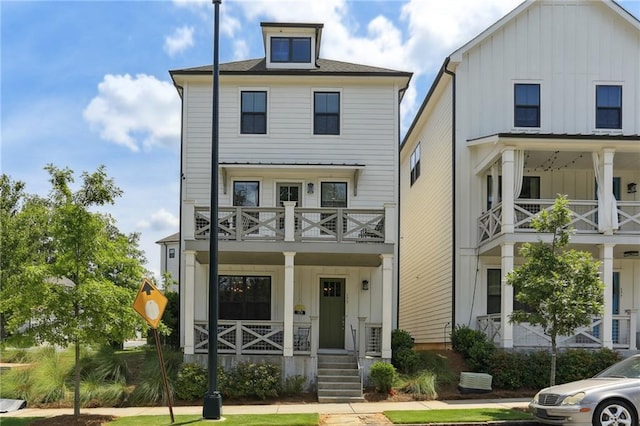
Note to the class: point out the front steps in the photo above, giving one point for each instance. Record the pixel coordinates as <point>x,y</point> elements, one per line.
<point>339,379</point>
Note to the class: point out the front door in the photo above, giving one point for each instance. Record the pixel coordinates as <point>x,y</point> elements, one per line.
<point>332,313</point>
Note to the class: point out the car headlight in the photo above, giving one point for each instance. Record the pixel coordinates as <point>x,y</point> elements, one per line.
<point>536,398</point>
<point>574,399</point>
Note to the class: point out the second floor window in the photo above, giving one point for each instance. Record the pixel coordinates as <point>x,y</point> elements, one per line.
<point>415,164</point>
<point>332,194</point>
<point>326,109</point>
<point>254,113</point>
<point>172,253</point>
<point>608,107</point>
<point>291,49</point>
<point>526,105</point>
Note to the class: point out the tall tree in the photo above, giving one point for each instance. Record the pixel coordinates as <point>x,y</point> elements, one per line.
<point>83,292</point>
<point>561,287</point>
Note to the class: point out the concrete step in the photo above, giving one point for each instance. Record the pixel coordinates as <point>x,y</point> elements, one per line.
<point>338,399</point>
<point>349,393</point>
<point>339,385</point>
<point>333,379</point>
<point>338,379</point>
<point>338,372</point>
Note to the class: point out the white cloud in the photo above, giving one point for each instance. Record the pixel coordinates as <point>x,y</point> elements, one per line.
<point>135,111</point>
<point>179,41</point>
<point>160,220</point>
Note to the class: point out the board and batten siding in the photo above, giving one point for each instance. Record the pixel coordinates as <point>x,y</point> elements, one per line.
<point>426,229</point>
<point>567,48</point>
<point>368,136</point>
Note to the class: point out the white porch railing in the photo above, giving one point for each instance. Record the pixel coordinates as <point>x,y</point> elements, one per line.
<point>527,336</point>
<point>584,217</point>
<point>267,337</point>
<point>268,223</point>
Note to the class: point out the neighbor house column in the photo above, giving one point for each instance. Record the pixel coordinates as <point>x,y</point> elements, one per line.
<point>288,302</point>
<point>189,290</point>
<point>507,250</point>
<point>606,269</point>
<point>289,220</point>
<point>387,302</point>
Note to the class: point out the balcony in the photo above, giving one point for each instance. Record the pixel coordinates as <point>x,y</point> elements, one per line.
<point>339,225</point>
<point>584,217</point>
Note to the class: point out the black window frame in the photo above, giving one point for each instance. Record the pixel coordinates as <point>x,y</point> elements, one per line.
<point>172,253</point>
<point>241,297</point>
<point>415,164</point>
<point>292,53</point>
<point>523,105</point>
<point>250,123</point>
<point>326,121</point>
<point>608,110</point>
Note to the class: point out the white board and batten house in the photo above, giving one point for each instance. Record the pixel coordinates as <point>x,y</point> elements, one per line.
<point>308,194</point>
<point>545,101</point>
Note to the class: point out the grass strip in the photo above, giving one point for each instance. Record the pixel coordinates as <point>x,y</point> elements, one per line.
<point>456,415</point>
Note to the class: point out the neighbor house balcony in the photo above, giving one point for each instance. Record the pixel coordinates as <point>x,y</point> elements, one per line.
<point>584,217</point>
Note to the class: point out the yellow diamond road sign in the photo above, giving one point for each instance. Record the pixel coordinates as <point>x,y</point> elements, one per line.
<point>150,303</point>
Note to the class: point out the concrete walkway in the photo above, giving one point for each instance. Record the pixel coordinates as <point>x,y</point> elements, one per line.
<point>344,408</point>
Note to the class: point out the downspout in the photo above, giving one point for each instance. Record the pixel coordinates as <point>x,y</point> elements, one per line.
<point>400,95</point>
<point>453,193</point>
<point>180,90</point>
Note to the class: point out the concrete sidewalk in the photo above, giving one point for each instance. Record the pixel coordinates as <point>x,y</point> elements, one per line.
<point>344,408</point>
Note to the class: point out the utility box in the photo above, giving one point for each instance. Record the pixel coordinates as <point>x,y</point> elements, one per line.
<point>474,382</point>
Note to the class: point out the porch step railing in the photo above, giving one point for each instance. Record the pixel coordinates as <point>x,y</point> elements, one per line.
<point>527,336</point>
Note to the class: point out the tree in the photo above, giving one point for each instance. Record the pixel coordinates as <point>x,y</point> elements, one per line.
<point>82,290</point>
<point>561,288</point>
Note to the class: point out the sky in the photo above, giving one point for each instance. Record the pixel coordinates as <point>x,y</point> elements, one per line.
<point>86,83</point>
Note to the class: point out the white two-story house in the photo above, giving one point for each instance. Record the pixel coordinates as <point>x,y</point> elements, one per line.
<point>546,101</point>
<point>308,194</point>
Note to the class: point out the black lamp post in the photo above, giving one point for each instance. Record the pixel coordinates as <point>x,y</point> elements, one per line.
<point>212,404</point>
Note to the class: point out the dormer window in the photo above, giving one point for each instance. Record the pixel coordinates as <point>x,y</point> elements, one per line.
<point>291,49</point>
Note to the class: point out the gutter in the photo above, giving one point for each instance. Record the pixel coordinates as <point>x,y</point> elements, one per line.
<point>453,192</point>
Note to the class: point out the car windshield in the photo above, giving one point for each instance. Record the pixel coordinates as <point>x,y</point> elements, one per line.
<point>628,368</point>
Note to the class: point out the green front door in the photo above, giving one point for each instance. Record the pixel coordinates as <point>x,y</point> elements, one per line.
<point>332,313</point>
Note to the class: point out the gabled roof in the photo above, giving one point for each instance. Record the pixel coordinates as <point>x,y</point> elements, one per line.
<point>456,56</point>
<point>173,238</point>
<point>323,66</point>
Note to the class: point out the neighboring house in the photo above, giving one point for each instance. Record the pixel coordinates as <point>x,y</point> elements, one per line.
<point>170,258</point>
<point>308,193</point>
<point>546,101</point>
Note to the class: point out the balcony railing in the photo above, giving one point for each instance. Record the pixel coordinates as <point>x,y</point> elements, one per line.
<point>584,217</point>
<point>308,224</point>
<point>623,333</point>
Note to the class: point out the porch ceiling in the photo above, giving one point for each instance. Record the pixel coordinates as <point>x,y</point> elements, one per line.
<point>578,242</point>
<point>307,259</point>
<point>560,160</point>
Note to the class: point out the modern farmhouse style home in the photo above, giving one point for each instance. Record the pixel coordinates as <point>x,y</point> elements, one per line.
<point>308,205</point>
<point>546,101</point>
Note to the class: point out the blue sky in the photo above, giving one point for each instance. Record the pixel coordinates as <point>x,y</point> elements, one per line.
<point>85,83</point>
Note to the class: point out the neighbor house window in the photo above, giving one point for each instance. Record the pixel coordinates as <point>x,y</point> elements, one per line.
<point>254,113</point>
<point>291,49</point>
<point>172,253</point>
<point>247,194</point>
<point>494,294</point>
<point>608,107</point>
<point>332,194</point>
<point>244,297</point>
<point>415,164</point>
<point>326,113</point>
<point>526,105</point>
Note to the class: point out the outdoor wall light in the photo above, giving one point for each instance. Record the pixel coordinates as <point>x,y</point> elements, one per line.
<point>365,284</point>
<point>310,188</point>
<point>631,188</point>
<point>631,253</point>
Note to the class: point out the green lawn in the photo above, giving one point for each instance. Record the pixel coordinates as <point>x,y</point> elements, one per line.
<point>456,415</point>
<point>231,420</point>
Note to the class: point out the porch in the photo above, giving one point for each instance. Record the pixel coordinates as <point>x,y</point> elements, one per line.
<point>526,336</point>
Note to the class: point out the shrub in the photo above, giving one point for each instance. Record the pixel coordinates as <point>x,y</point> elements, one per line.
<point>293,385</point>
<point>255,379</point>
<point>191,382</point>
<point>479,357</point>
<point>383,376</point>
<point>401,339</point>
<point>151,386</point>
<point>422,386</point>
<point>438,364</point>
<point>507,369</point>
<point>464,338</point>
<point>407,361</point>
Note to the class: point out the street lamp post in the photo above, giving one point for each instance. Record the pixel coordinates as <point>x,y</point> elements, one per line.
<point>212,404</point>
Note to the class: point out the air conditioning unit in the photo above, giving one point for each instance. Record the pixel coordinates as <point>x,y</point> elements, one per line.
<point>474,382</point>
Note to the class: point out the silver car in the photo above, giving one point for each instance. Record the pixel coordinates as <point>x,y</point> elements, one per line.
<point>612,397</point>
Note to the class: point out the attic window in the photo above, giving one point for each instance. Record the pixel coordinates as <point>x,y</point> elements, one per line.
<point>291,49</point>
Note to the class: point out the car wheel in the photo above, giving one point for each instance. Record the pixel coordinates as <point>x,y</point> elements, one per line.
<point>612,413</point>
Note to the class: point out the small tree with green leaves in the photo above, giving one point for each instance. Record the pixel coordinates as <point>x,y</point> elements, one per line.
<point>561,287</point>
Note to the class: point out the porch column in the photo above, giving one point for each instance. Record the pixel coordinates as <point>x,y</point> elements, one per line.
<point>288,302</point>
<point>608,202</point>
<point>389,223</point>
<point>508,175</point>
<point>507,250</point>
<point>289,220</point>
<point>189,291</point>
<point>606,268</point>
<point>362,337</point>
<point>387,301</point>
<point>495,179</point>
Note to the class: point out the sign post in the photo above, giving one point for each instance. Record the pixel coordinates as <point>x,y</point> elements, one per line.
<point>150,304</point>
